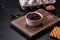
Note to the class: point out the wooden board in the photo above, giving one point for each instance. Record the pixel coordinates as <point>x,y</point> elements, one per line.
<point>20,23</point>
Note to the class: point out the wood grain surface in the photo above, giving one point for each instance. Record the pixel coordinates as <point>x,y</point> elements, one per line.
<point>48,20</point>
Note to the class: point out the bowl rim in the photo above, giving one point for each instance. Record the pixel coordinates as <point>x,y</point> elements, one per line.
<point>36,13</point>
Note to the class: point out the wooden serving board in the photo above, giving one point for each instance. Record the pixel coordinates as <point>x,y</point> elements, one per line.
<point>47,22</point>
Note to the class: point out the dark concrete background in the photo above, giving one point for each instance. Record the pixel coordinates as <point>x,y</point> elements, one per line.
<point>10,7</point>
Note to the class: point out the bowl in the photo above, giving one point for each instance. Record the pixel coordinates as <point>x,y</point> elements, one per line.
<point>34,22</point>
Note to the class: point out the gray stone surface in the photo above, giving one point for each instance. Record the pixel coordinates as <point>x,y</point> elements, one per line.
<point>11,7</point>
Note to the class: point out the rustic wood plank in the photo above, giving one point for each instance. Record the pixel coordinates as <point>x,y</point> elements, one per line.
<point>20,23</point>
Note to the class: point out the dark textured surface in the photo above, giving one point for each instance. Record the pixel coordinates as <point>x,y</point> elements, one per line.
<point>8,7</point>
